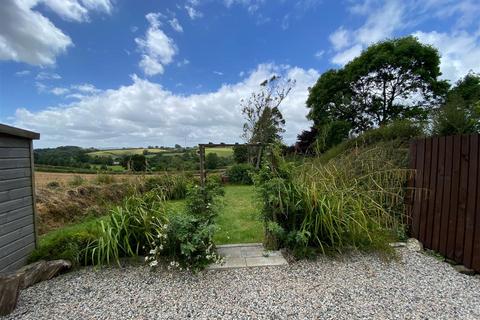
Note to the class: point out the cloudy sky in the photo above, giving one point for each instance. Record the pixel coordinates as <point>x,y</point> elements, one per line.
<point>111,73</point>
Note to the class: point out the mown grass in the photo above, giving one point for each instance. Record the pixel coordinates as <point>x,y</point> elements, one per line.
<point>239,220</point>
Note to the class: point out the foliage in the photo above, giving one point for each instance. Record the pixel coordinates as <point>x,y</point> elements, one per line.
<point>53,184</point>
<point>68,243</point>
<point>172,187</point>
<point>76,181</point>
<point>240,153</point>
<point>240,173</point>
<point>461,112</point>
<point>188,242</point>
<point>264,121</point>
<point>395,135</point>
<point>355,200</point>
<point>211,161</point>
<point>393,79</point>
<point>135,162</point>
<point>129,228</point>
<point>105,179</point>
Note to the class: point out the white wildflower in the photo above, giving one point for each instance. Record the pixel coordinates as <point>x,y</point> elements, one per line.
<point>154,263</point>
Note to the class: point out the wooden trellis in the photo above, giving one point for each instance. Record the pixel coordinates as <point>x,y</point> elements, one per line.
<point>202,146</point>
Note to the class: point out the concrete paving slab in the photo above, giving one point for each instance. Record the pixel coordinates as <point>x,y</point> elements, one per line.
<point>265,261</point>
<point>247,255</point>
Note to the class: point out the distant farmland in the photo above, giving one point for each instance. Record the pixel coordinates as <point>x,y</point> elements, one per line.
<point>123,152</point>
<point>116,153</point>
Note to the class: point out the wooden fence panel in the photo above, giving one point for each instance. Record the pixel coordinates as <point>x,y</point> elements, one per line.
<point>444,207</point>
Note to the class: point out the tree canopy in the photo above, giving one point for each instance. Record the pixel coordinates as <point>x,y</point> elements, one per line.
<point>264,121</point>
<point>461,112</point>
<point>390,80</point>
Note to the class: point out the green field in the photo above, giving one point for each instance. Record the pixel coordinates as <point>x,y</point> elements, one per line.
<point>123,152</point>
<point>220,151</point>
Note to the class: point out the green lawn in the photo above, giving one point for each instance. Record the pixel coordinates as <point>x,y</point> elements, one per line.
<point>238,221</point>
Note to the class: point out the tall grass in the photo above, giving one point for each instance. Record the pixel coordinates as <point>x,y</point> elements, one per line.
<point>131,225</point>
<point>353,201</point>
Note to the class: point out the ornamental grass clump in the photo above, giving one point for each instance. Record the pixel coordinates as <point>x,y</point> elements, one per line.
<point>354,201</point>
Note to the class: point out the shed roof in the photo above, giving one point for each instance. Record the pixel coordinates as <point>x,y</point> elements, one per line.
<point>19,132</point>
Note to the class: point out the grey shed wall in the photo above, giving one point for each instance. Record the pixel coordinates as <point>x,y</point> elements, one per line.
<point>17,194</point>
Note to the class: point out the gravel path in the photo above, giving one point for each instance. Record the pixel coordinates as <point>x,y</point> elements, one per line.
<point>354,287</point>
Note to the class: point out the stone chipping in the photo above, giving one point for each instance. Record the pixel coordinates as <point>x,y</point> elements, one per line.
<point>353,286</point>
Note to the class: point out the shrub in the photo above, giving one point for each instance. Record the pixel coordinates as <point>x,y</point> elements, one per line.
<point>105,179</point>
<point>212,161</point>
<point>172,187</point>
<point>53,185</point>
<point>240,173</point>
<point>68,243</point>
<point>76,181</point>
<point>189,239</point>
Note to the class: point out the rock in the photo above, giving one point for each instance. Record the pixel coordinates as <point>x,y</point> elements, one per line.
<point>9,290</point>
<point>464,270</point>
<point>450,261</point>
<point>42,270</point>
<point>477,276</point>
<point>414,245</point>
<point>32,273</point>
<point>398,244</point>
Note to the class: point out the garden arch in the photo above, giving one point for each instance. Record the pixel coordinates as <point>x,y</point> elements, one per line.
<point>201,153</point>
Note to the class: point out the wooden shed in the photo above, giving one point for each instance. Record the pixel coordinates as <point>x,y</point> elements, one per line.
<point>17,197</point>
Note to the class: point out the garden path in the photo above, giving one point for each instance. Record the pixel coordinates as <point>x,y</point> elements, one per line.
<point>247,255</point>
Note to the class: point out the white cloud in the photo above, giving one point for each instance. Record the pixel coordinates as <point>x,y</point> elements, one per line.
<point>193,13</point>
<point>59,91</point>
<point>157,48</point>
<point>40,86</point>
<point>22,73</point>
<point>182,63</point>
<point>319,54</point>
<point>38,41</point>
<point>218,73</point>
<point>340,38</point>
<point>460,52</point>
<point>43,75</point>
<point>345,56</point>
<point>459,48</point>
<point>145,113</point>
<point>176,25</point>
<point>85,88</point>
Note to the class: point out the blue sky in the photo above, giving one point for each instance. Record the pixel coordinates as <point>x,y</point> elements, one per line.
<point>110,73</point>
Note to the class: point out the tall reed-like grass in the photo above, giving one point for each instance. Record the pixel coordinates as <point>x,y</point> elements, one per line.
<point>354,201</point>
<point>131,225</point>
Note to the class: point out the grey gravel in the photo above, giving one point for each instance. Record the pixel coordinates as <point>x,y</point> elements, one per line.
<point>357,286</point>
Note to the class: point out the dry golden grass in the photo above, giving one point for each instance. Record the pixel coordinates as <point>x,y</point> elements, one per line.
<point>43,178</point>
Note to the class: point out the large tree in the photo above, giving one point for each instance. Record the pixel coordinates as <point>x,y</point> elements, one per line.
<point>264,121</point>
<point>390,80</point>
<point>461,112</point>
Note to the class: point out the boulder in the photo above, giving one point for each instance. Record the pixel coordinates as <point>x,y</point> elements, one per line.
<point>9,290</point>
<point>414,245</point>
<point>42,270</point>
<point>464,270</point>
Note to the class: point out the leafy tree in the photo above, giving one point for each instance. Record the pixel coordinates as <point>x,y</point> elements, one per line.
<point>264,121</point>
<point>211,161</point>
<point>461,112</point>
<point>240,153</point>
<point>136,162</point>
<point>390,80</point>
<point>177,146</point>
